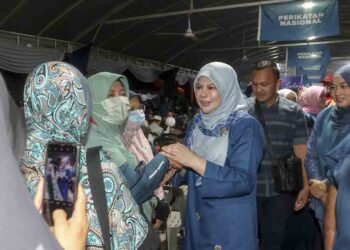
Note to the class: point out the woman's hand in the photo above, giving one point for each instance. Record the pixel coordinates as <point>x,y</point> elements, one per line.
<point>318,188</point>
<point>330,218</point>
<point>168,176</point>
<point>302,199</point>
<point>72,233</point>
<point>184,156</point>
<point>173,164</point>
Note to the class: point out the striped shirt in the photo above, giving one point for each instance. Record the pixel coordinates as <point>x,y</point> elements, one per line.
<point>286,125</point>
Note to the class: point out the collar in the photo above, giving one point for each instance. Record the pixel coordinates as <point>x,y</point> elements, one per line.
<point>264,106</point>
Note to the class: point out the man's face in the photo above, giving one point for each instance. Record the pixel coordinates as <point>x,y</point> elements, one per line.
<point>264,85</point>
<point>64,162</point>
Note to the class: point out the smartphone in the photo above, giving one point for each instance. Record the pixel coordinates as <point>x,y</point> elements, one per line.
<point>61,178</point>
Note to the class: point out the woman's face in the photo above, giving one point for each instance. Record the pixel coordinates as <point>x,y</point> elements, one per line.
<point>207,95</point>
<point>340,92</point>
<point>117,89</point>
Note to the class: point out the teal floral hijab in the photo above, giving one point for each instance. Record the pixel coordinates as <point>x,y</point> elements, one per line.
<point>55,109</point>
<point>57,106</point>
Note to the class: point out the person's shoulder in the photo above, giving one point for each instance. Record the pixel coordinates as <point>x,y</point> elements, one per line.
<point>244,122</point>
<point>289,106</point>
<point>250,101</point>
<point>285,103</point>
<point>242,118</point>
<point>325,113</point>
<point>250,104</point>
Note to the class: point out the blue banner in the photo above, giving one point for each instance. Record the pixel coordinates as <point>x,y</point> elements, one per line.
<point>312,74</point>
<point>317,70</point>
<point>291,81</point>
<point>298,20</point>
<point>309,55</point>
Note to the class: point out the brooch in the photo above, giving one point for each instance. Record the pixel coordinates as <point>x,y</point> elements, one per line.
<point>223,131</point>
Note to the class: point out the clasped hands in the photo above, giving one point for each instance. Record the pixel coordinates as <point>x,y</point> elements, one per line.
<point>177,154</point>
<point>181,156</point>
<point>319,189</point>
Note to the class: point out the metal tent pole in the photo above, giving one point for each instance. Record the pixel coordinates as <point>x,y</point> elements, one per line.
<point>192,11</point>
<point>273,45</point>
<point>69,9</point>
<point>286,63</point>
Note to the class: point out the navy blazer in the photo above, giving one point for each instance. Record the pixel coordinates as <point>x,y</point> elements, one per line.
<point>221,213</point>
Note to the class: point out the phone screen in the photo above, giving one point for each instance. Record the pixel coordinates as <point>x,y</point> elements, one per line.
<point>61,179</point>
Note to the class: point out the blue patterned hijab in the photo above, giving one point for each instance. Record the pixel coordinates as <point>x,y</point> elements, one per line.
<point>57,106</point>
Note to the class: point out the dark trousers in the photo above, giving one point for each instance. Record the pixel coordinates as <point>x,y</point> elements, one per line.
<point>303,232</point>
<point>273,215</point>
<point>280,228</point>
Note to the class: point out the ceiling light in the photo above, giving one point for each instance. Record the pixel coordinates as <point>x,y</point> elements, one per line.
<point>308,5</point>
<point>313,55</point>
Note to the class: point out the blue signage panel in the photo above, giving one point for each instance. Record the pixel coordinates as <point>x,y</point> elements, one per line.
<point>298,20</point>
<point>309,55</point>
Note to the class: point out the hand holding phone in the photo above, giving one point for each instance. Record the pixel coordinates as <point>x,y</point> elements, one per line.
<point>72,233</point>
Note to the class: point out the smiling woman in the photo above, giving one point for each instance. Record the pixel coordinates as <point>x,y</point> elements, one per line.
<point>340,92</point>
<point>223,149</point>
<point>327,163</point>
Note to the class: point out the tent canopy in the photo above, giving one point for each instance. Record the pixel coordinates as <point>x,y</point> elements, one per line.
<point>227,35</point>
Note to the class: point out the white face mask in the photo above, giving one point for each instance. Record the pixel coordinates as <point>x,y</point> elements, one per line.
<point>117,109</point>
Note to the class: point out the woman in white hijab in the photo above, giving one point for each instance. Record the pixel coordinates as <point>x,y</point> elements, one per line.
<point>224,146</point>
<point>289,94</point>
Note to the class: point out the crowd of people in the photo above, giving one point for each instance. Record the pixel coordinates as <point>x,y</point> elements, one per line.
<point>228,149</point>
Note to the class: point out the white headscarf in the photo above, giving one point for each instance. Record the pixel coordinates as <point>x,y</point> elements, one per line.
<point>225,79</point>
<point>285,92</point>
